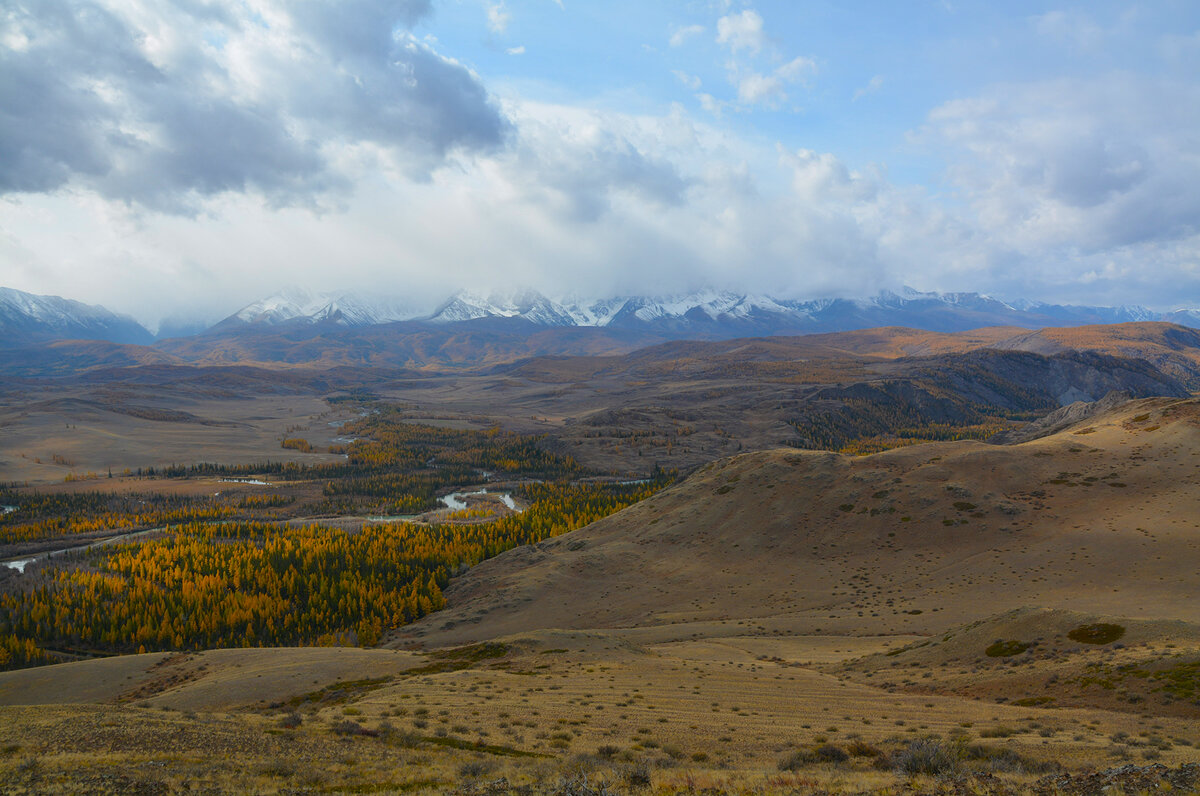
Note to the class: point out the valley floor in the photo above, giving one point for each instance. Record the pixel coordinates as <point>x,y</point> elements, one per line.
<point>953,618</point>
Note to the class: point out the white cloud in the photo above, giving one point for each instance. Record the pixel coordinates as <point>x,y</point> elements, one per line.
<point>1089,164</point>
<point>1075,176</point>
<point>759,77</point>
<point>584,200</point>
<point>872,86</point>
<point>681,35</point>
<point>754,88</point>
<point>306,148</point>
<point>711,104</point>
<point>770,90</point>
<point>520,50</point>
<point>498,18</point>
<point>741,31</point>
<point>122,99</point>
<point>1072,27</point>
<point>797,69</point>
<point>691,81</point>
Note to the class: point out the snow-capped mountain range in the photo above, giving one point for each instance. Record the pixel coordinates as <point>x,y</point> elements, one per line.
<point>706,312</point>
<point>622,311</point>
<point>709,314</point>
<point>27,317</point>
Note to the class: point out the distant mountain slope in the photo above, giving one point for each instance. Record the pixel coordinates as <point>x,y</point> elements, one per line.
<point>1173,349</point>
<point>59,358</point>
<point>480,343</point>
<point>25,317</point>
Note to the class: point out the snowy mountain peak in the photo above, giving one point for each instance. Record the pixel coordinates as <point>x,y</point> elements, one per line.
<point>26,316</point>
<point>299,305</point>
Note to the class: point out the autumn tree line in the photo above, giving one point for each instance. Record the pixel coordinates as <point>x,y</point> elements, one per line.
<point>393,468</point>
<point>225,571</point>
<point>42,515</point>
<point>201,585</point>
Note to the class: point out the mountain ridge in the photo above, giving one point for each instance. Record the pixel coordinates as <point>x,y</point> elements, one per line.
<point>711,313</point>
<point>296,313</point>
<point>25,317</point>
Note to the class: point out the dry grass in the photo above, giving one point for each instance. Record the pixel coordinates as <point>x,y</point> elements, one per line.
<point>707,638</point>
<point>592,704</point>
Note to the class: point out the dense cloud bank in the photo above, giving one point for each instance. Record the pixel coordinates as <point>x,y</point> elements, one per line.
<point>190,157</point>
<point>161,104</point>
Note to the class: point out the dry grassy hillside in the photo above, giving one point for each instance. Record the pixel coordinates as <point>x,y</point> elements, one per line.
<point>1096,519</point>
<point>1171,348</point>
<point>933,619</point>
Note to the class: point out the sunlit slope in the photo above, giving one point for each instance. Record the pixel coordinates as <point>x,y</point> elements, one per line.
<point>1173,349</point>
<point>1099,518</point>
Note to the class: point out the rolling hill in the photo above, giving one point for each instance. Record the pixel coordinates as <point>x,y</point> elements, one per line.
<point>920,539</point>
<point>1013,619</point>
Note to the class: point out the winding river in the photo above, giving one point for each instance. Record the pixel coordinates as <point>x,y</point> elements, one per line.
<point>19,564</point>
<point>455,501</point>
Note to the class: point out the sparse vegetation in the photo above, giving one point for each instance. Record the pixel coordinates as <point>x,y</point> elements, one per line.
<point>1006,649</point>
<point>929,757</point>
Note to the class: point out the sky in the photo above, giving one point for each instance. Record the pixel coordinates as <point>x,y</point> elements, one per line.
<point>180,160</point>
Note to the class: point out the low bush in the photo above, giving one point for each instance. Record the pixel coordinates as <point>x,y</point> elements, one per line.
<point>928,756</point>
<point>1006,649</point>
<point>797,760</point>
<point>637,776</point>
<point>859,748</point>
<point>829,753</point>
<point>1098,633</point>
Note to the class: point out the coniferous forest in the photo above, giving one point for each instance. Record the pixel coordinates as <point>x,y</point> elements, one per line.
<point>220,571</point>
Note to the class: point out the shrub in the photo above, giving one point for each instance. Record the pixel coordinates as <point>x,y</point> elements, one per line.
<point>928,756</point>
<point>1098,633</point>
<point>830,753</point>
<point>473,769</point>
<point>404,739</point>
<point>347,727</point>
<point>1007,761</point>
<point>637,776</point>
<point>1005,649</point>
<point>859,748</point>
<point>281,768</point>
<point>797,760</point>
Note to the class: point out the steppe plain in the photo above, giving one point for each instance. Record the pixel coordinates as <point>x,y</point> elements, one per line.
<point>934,618</point>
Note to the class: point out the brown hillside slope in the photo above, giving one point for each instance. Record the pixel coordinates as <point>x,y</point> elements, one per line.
<point>1175,350</point>
<point>1097,519</point>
